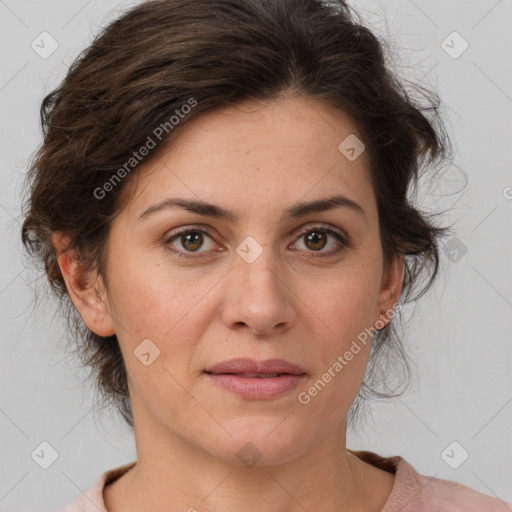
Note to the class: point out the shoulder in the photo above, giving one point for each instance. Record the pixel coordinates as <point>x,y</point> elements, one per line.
<point>437,494</point>
<point>414,492</point>
<point>92,500</point>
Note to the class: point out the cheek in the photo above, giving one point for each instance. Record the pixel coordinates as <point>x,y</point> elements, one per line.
<point>149,304</point>
<point>150,299</point>
<point>342,309</point>
<point>157,303</point>
<point>343,303</point>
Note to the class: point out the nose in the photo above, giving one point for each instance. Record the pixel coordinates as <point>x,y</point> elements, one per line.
<point>257,297</point>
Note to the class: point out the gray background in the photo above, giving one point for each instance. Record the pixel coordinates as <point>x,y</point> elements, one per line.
<point>459,338</point>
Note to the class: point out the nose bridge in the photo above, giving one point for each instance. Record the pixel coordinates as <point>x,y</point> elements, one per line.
<point>257,268</point>
<point>257,295</point>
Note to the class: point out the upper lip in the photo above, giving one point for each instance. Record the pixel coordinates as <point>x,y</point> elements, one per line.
<point>245,365</point>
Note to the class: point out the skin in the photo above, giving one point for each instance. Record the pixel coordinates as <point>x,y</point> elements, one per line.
<point>255,160</point>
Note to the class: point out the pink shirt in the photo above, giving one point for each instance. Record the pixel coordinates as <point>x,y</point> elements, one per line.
<point>411,491</point>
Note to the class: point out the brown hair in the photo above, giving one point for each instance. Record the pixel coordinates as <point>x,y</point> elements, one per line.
<point>163,54</point>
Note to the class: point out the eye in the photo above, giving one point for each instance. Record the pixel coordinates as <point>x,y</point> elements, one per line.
<point>316,238</point>
<point>190,240</point>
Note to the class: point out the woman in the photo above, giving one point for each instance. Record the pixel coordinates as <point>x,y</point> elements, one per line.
<point>221,196</point>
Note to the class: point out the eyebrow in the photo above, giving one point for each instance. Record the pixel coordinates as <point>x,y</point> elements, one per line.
<point>295,211</point>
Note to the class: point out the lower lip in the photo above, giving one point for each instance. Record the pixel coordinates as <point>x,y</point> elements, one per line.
<point>255,388</point>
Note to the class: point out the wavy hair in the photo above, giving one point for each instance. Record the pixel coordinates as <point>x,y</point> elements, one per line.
<point>146,64</point>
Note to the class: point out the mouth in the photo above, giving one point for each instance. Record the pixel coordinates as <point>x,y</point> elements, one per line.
<point>255,375</point>
<point>256,369</point>
<point>256,380</point>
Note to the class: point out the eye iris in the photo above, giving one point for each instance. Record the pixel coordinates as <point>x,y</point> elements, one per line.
<point>315,237</point>
<point>195,237</point>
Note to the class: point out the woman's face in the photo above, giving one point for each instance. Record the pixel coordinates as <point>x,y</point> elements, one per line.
<point>267,282</point>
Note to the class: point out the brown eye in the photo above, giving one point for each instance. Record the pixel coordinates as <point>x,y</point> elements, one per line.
<point>316,238</point>
<point>190,240</point>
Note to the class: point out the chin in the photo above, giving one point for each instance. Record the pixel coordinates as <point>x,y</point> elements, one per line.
<point>259,442</point>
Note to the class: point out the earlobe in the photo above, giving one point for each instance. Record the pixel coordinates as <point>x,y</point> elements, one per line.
<point>86,289</point>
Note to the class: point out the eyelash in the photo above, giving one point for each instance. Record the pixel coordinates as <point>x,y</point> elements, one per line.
<point>342,240</point>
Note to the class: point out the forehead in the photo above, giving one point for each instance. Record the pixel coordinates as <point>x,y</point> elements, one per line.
<point>257,153</point>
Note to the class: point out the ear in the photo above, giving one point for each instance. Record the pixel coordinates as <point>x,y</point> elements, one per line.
<point>391,289</point>
<point>85,287</point>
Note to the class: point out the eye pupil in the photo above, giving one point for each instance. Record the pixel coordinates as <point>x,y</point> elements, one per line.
<point>195,237</point>
<point>315,237</point>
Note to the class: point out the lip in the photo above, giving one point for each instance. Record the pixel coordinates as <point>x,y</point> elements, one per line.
<point>256,388</point>
<point>246,365</point>
<point>238,376</point>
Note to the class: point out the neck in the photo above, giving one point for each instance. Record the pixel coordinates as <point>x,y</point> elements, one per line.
<point>175,475</point>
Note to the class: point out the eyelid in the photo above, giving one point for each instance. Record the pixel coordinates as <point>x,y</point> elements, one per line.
<point>173,235</point>
<point>343,240</point>
<point>322,226</point>
<point>202,228</point>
